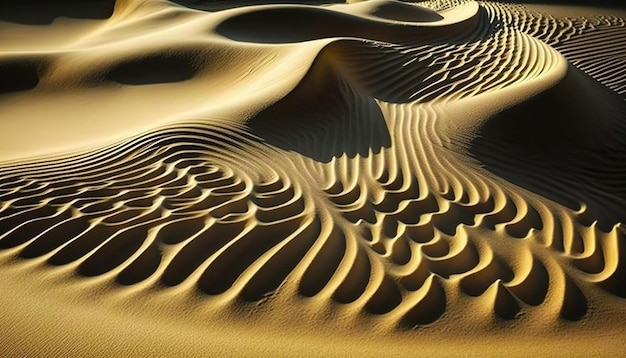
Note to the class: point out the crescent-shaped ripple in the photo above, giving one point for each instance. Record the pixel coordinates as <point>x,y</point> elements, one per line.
<point>397,180</point>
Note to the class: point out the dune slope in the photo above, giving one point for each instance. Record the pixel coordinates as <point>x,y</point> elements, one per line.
<point>369,178</point>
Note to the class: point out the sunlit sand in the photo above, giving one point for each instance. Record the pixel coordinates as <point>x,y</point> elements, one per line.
<point>376,178</point>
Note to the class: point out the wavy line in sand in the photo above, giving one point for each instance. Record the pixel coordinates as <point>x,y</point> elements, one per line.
<point>356,187</point>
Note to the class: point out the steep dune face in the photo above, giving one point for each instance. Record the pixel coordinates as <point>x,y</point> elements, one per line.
<point>566,144</point>
<point>412,172</point>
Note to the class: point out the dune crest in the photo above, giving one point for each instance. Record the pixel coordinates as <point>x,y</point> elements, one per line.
<point>407,171</point>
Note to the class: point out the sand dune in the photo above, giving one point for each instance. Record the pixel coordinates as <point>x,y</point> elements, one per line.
<point>361,178</point>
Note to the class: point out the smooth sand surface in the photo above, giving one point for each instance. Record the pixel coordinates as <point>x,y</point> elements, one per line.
<point>376,178</point>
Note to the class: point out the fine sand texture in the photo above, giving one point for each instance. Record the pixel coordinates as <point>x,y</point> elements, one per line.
<point>271,178</point>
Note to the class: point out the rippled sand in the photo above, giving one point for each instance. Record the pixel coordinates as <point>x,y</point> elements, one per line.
<point>374,178</point>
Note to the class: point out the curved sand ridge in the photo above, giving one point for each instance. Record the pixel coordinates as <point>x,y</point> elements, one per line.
<point>399,168</point>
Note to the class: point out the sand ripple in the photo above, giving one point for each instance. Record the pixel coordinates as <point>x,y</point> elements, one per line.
<point>427,160</point>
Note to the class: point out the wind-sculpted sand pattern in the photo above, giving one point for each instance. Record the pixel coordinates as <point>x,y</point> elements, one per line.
<point>422,165</point>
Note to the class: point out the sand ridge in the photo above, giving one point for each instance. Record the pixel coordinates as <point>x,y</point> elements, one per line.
<point>407,171</point>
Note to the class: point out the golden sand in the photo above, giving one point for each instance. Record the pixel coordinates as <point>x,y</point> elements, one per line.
<point>376,178</point>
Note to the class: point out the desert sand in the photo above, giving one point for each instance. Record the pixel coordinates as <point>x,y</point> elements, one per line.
<point>260,178</point>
